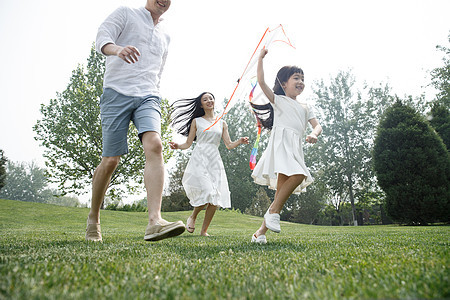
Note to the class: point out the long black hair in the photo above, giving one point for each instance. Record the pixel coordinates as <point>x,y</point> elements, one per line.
<point>183,111</point>
<point>264,112</point>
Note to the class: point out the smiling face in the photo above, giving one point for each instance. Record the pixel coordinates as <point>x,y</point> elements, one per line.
<point>207,102</point>
<point>157,7</point>
<point>294,86</point>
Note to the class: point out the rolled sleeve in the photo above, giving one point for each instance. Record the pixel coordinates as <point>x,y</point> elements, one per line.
<point>110,29</point>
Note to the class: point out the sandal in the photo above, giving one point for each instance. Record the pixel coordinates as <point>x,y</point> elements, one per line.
<point>93,232</point>
<point>189,228</point>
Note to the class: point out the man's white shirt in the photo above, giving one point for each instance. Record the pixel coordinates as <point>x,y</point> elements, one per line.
<point>134,27</point>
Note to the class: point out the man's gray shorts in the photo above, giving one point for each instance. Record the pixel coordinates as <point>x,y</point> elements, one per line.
<point>118,110</point>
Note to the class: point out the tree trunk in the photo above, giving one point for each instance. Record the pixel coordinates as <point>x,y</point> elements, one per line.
<point>352,200</point>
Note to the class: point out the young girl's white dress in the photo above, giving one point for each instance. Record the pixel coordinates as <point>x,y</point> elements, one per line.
<point>284,152</point>
<point>204,179</point>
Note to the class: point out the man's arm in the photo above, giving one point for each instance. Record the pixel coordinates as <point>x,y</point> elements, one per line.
<point>107,35</point>
<point>128,53</point>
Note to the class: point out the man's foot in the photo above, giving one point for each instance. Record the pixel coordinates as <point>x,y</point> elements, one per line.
<point>190,225</point>
<point>93,233</point>
<point>163,230</point>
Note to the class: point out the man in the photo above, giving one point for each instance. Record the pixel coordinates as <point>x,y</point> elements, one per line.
<point>135,44</point>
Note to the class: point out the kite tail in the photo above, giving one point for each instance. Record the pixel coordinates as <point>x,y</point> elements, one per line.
<point>255,149</point>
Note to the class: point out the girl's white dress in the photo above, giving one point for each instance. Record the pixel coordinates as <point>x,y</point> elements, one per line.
<point>284,152</point>
<point>204,179</point>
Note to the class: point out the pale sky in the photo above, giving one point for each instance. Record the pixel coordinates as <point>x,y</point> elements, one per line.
<point>381,41</point>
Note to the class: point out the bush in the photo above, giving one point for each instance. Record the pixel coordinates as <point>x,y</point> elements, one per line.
<point>412,166</point>
<point>138,206</point>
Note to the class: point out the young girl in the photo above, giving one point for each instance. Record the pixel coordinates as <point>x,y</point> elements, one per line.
<point>282,166</point>
<point>204,179</point>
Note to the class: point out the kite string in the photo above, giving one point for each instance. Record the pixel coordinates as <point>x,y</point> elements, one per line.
<point>229,100</point>
<point>268,30</point>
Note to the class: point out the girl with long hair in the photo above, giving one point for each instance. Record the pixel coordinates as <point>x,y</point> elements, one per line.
<point>204,179</point>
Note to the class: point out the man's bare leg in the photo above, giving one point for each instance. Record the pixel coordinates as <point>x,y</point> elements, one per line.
<point>153,174</point>
<point>100,182</point>
<point>157,228</point>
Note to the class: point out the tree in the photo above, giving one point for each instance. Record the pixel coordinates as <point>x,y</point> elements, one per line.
<point>305,208</point>
<point>440,120</point>
<point>343,152</point>
<point>26,182</point>
<point>70,130</point>
<point>260,203</point>
<point>440,111</point>
<point>329,216</point>
<point>440,77</point>
<point>3,161</point>
<point>69,201</point>
<point>241,123</point>
<point>177,199</point>
<point>412,166</point>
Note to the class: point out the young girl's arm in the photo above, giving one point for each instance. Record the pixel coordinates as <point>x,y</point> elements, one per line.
<point>190,138</point>
<point>227,141</point>
<point>317,130</point>
<point>260,75</point>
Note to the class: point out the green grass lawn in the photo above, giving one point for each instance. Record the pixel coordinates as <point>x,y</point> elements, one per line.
<point>43,255</point>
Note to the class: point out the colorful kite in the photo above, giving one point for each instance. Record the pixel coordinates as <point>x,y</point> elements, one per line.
<point>252,161</point>
<point>247,86</point>
<point>246,83</point>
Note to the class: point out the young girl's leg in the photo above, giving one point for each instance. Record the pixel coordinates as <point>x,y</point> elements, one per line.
<point>285,186</point>
<point>209,214</point>
<point>190,223</point>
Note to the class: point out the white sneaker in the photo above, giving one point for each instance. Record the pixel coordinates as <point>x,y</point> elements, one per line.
<point>272,221</point>
<point>260,239</point>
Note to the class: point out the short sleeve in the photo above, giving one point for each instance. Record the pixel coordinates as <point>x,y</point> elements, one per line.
<point>311,112</point>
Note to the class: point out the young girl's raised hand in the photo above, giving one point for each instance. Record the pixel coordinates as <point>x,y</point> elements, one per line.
<point>263,53</point>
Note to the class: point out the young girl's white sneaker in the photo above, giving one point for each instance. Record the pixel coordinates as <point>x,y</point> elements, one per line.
<point>260,239</point>
<point>272,221</point>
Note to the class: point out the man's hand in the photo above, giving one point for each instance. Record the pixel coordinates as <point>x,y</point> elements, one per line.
<point>129,54</point>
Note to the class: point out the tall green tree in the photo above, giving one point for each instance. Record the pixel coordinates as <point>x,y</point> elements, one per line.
<point>70,130</point>
<point>26,182</point>
<point>440,110</point>
<point>260,203</point>
<point>440,120</point>
<point>348,117</point>
<point>413,167</point>
<point>3,161</point>
<point>306,207</point>
<point>440,77</point>
<point>241,123</point>
<point>177,199</point>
